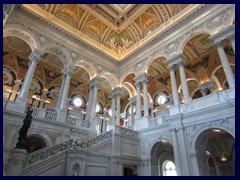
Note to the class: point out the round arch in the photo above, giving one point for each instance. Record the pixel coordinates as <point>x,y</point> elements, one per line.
<point>189,79</point>
<point>156,142</point>
<point>61,53</point>
<point>111,78</point>
<point>89,68</point>
<point>125,75</point>
<point>189,36</point>
<point>164,56</point>
<point>130,87</point>
<point>129,92</point>
<point>201,130</point>
<point>17,31</point>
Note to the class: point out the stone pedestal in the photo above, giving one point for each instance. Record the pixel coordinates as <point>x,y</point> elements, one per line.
<point>20,105</point>
<point>15,162</point>
<point>62,115</point>
<point>141,123</point>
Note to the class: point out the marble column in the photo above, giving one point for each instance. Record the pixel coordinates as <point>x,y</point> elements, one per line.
<point>226,66</point>
<point>118,110</point>
<point>62,112</point>
<point>132,102</point>
<point>89,104</point>
<point>7,10</point>
<point>183,80</point>
<point>15,90</point>
<point>113,110</point>
<point>22,100</point>
<point>65,90</point>
<point>60,93</point>
<point>94,101</point>
<point>186,169</point>
<point>34,59</point>
<point>177,158</point>
<point>145,98</point>
<point>138,106</point>
<point>218,39</point>
<point>232,41</point>
<point>174,86</point>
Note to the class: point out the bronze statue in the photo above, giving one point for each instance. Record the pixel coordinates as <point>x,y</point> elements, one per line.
<point>21,144</point>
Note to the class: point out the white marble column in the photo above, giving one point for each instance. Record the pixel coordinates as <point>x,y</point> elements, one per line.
<point>183,80</point>
<point>65,90</point>
<point>118,110</point>
<point>145,98</point>
<point>218,38</point>
<point>94,101</point>
<point>176,152</point>
<point>7,10</point>
<point>186,169</point>
<point>89,104</point>
<point>60,93</point>
<point>174,86</point>
<point>132,101</point>
<point>113,110</point>
<point>138,105</point>
<point>34,59</point>
<point>15,90</point>
<point>22,100</point>
<point>232,41</point>
<point>225,63</point>
<point>43,97</point>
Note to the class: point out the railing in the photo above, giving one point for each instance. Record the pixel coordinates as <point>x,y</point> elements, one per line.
<point>46,152</point>
<point>84,145</point>
<point>51,115</point>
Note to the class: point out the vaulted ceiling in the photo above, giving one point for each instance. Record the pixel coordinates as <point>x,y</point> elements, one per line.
<point>116,29</point>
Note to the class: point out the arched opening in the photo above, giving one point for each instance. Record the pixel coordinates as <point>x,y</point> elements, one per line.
<point>34,143</point>
<point>75,170</point>
<point>215,149</point>
<point>161,156</point>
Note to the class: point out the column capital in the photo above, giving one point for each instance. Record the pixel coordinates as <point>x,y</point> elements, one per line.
<point>225,33</point>
<point>94,82</point>
<point>172,68</point>
<point>116,92</point>
<point>141,78</point>
<point>132,100</point>
<point>176,59</point>
<point>35,55</point>
<point>68,70</point>
<point>17,83</point>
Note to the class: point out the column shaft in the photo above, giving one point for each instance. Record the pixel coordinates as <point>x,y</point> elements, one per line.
<point>145,98</point>
<point>113,111</point>
<point>184,82</point>
<point>174,86</point>
<point>118,110</point>
<point>60,93</point>
<point>176,153</point>
<point>89,105</point>
<point>226,66</point>
<point>94,101</point>
<point>65,91</point>
<point>138,108</point>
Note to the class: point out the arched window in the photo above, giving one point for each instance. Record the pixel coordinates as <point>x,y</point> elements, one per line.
<point>169,168</point>
<point>78,101</point>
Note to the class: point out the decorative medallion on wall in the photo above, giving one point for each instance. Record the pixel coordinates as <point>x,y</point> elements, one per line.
<point>8,76</point>
<point>36,86</point>
<point>54,92</point>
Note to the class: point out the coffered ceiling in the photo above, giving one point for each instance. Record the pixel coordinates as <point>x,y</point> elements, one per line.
<point>115,29</point>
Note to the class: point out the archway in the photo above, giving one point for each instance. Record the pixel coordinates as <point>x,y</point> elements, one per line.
<point>161,154</point>
<point>35,142</point>
<point>215,150</point>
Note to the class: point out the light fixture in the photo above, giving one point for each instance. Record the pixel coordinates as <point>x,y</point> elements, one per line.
<point>216,130</point>
<point>223,157</point>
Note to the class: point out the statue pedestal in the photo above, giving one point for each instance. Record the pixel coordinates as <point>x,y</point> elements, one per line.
<point>15,162</point>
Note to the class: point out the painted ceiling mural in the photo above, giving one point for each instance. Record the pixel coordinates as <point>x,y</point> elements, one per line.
<point>116,29</point>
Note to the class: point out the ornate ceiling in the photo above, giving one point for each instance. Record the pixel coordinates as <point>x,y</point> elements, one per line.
<point>116,29</point>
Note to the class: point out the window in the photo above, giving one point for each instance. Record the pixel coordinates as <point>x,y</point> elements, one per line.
<point>169,169</point>
<point>162,99</point>
<point>97,108</point>
<point>77,102</point>
<point>109,112</point>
